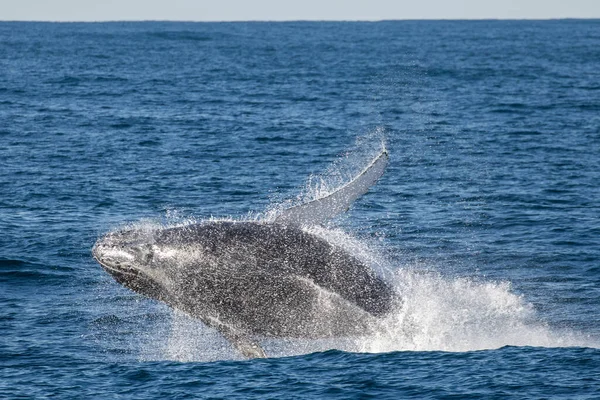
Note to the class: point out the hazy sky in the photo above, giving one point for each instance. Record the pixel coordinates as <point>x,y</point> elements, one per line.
<point>236,10</point>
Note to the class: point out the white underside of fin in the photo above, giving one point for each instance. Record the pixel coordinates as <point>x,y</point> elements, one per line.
<point>325,208</point>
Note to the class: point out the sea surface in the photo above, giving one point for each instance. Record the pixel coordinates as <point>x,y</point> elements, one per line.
<point>487,220</point>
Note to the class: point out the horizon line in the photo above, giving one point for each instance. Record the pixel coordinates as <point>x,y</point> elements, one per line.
<point>303,20</point>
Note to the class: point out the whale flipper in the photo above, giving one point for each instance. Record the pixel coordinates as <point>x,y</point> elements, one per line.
<point>245,345</point>
<point>322,209</point>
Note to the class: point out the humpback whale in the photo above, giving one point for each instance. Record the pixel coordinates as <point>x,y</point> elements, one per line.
<point>257,279</point>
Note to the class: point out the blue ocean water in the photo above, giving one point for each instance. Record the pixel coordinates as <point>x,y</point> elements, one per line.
<point>487,220</point>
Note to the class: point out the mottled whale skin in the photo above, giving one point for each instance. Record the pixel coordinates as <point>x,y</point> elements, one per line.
<point>252,279</point>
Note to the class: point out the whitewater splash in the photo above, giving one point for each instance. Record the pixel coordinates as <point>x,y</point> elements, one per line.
<point>460,314</point>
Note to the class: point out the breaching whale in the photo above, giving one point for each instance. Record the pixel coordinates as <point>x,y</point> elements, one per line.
<point>257,279</point>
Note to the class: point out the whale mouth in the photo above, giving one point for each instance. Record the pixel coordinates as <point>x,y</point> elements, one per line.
<point>117,263</point>
<point>121,272</point>
<point>115,266</point>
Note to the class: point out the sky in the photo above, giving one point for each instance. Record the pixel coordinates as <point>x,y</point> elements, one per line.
<point>281,10</point>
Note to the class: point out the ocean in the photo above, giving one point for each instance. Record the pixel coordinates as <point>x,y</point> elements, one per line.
<point>486,222</point>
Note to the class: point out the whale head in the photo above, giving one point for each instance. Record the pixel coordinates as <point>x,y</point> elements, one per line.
<point>129,256</point>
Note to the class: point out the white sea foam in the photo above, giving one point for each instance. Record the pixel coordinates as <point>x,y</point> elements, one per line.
<point>461,314</point>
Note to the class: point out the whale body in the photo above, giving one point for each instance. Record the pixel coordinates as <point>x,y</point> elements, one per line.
<point>253,279</point>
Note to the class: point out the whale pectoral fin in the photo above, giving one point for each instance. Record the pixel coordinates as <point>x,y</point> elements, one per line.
<point>320,210</point>
<point>245,345</point>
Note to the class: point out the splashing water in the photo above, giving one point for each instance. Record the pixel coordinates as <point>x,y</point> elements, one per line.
<point>461,314</point>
